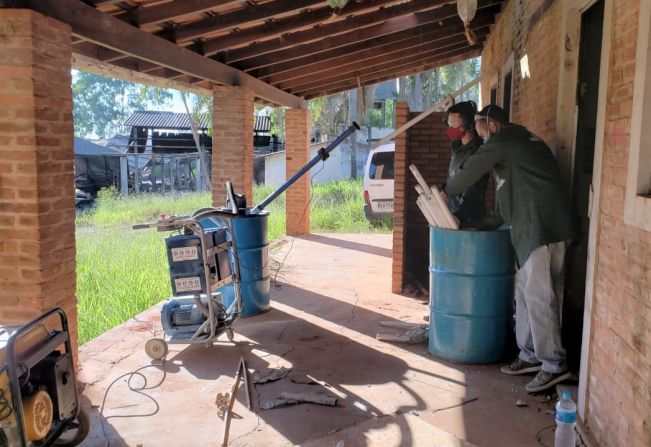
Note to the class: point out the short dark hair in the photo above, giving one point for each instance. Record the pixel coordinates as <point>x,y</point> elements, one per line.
<point>467,110</point>
<point>494,113</point>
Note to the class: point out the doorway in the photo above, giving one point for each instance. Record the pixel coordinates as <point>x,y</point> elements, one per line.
<point>582,176</point>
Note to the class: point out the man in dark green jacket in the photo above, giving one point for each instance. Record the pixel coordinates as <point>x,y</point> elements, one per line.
<point>469,206</point>
<point>532,200</point>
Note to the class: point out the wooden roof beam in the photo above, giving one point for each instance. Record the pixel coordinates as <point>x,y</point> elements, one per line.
<point>397,72</point>
<point>381,56</point>
<point>90,65</point>
<point>392,66</point>
<point>100,3</point>
<point>376,63</point>
<point>107,56</point>
<point>279,26</point>
<point>248,15</point>
<point>117,35</point>
<point>307,56</point>
<point>176,9</point>
<point>386,54</point>
<point>364,71</point>
<point>95,51</point>
<point>329,29</point>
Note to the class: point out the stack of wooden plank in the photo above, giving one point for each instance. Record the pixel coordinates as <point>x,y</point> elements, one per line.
<point>431,203</point>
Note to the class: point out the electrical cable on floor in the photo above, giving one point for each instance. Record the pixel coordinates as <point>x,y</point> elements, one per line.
<point>291,246</point>
<point>135,390</point>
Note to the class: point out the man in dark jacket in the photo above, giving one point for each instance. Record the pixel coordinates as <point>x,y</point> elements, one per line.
<point>468,206</point>
<point>533,201</point>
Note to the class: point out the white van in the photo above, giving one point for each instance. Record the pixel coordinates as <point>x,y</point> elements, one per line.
<point>378,183</point>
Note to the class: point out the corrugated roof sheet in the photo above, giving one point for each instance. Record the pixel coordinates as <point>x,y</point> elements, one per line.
<point>173,120</point>
<point>262,124</point>
<point>165,120</point>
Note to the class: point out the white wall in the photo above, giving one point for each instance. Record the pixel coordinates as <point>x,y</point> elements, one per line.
<point>274,169</point>
<point>336,167</point>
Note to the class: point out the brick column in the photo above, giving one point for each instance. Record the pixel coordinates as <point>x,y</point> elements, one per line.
<point>232,142</point>
<point>297,154</point>
<point>37,213</point>
<point>399,196</point>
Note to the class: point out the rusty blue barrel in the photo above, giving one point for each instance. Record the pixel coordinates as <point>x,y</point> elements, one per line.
<point>471,295</point>
<point>252,240</point>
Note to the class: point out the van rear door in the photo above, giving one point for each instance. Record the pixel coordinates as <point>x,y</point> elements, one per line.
<point>380,181</point>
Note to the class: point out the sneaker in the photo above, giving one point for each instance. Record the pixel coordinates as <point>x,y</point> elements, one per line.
<point>545,380</point>
<point>519,366</point>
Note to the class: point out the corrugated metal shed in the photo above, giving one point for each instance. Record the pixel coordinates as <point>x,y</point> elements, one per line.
<point>165,120</point>
<point>262,124</point>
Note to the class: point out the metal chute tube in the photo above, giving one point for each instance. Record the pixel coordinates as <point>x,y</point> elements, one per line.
<point>320,156</point>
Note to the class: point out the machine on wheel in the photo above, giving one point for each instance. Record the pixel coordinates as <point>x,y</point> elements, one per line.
<point>204,265</point>
<point>202,257</point>
<point>39,401</point>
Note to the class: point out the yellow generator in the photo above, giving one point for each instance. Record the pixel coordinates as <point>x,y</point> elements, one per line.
<point>39,401</point>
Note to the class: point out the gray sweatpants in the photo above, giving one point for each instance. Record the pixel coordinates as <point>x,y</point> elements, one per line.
<point>538,298</point>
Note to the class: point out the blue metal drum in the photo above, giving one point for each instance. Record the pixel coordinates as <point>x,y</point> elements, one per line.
<point>471,294</point>
<point>253,252</point>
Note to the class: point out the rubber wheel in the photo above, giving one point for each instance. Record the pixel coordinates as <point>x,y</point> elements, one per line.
<point>230,334</point>
<point>156,348</point>
<point>77,432</point>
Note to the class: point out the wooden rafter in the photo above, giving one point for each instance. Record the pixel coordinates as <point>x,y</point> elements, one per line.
<point>172,11</point>
<point>101,3</point>
<point>363,75</point>
<point>329,30</point>
<point>392,73</point>
<point>117,35</point>
<point>383,55</point>
<point>380,58</point>
<point>280,26</point>
<point>377,63</point>
<point>248,15</point>
<point>388,31</point>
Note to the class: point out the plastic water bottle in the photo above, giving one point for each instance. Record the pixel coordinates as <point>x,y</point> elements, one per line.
<point>565,421</point>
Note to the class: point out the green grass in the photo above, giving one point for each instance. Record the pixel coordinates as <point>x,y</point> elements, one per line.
<point>121,272</point>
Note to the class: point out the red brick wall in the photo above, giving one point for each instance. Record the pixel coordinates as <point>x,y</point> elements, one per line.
<point>619,366</point>
<point>297,154</point>
<point>619,387</point>
<point>428,147</point>
<point>37,214</point>
<point>232,143</point>
<point>399,193</point>
<point>535,97</point>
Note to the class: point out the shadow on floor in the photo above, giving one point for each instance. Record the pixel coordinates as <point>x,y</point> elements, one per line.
<point>349,245</point>
<point>281,339</point>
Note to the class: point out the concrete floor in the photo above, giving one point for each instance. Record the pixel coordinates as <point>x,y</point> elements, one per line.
<point>332,292</point>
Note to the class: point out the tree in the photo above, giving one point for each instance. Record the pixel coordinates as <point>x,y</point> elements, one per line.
<point>328,113</point>
<point>101,105</point>
<point>423,90</point>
